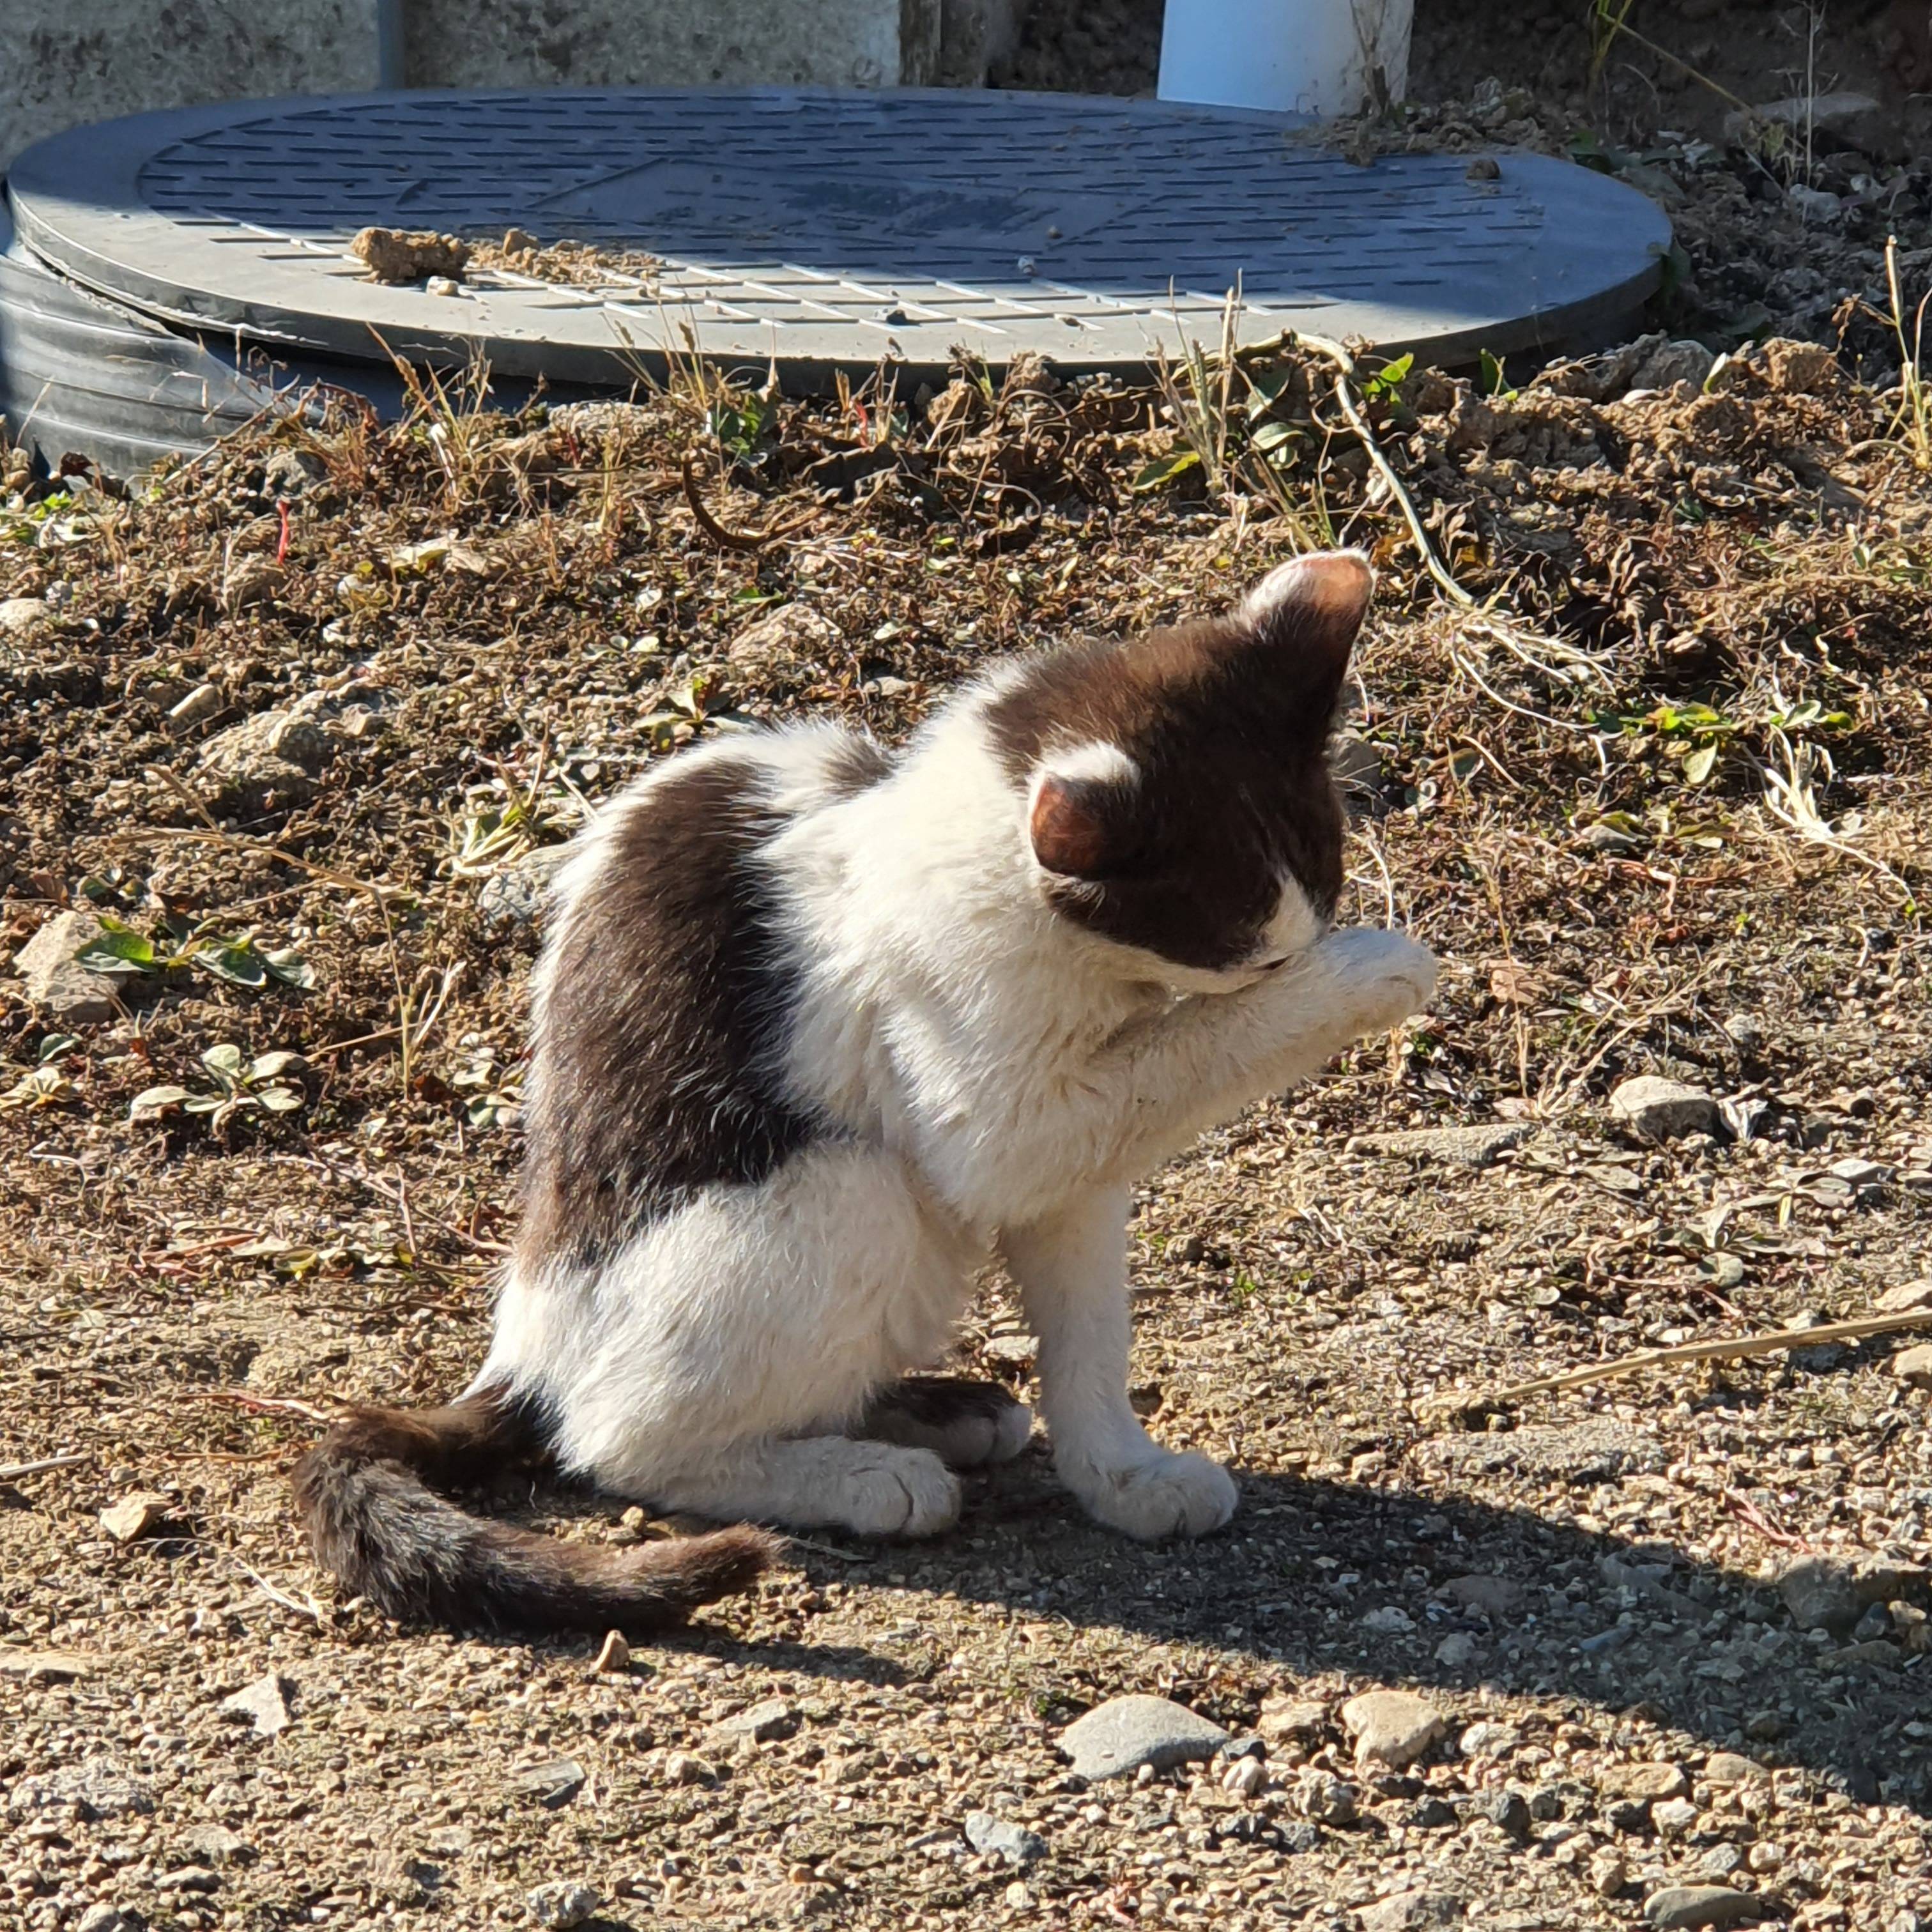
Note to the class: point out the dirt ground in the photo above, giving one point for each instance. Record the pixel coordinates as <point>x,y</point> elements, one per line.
<point>307,722</point>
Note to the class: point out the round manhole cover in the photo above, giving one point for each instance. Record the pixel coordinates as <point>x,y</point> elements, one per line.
<point>826,228</point>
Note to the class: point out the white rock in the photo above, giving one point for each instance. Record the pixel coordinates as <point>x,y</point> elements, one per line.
<point>60,988</point>
<point>1392,1727</point>
<point>1660,1110</point>
<point>561,1904</point>
<point>264,1703</point>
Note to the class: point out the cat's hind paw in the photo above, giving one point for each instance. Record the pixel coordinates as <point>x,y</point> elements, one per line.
<point>1172,1495</point>
<point>966,1424</point>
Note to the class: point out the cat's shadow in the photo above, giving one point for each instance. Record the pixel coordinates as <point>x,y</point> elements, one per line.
<point>1316,1579</point>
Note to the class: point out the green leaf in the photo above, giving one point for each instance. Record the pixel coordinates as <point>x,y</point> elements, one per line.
<point>54,1046</point>
<point>1273,435</point>
<point>1492,373</point>
<point>1164,470</point>
<point>223,1060</point>
<point>290,967</point>
<point>1697,765</point>
<point>153,1101</point>
<point>119,950</point>
<point>281,1100</point>
<point>1386,382</point>
<point>239,964</point>
<point>270,1065</point>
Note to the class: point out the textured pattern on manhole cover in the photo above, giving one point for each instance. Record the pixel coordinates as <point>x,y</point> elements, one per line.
<point>829,227</point>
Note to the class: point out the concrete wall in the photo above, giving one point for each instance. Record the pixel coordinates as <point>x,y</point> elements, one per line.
<point>71,61</point>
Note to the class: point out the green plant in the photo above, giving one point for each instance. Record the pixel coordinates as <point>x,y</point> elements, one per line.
<point>241,1085</point>
<point>121,949</point>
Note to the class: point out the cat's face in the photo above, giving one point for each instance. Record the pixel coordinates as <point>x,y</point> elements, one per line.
<point>1176,792</point>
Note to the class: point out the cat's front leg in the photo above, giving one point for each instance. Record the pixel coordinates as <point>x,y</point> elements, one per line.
<point>1071,1269</point>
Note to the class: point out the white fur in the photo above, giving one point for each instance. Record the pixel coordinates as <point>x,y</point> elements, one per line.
<point>1003,1078</point>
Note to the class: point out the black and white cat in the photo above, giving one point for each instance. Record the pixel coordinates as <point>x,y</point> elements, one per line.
<point>821,1031</point>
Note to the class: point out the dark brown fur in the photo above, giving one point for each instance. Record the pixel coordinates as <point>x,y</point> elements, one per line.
<point>657,1061</point>
<point>363,1495</point>
<point>1227,722</point>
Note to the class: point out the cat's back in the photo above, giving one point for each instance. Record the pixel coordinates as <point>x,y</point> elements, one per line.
<point>665,995</point>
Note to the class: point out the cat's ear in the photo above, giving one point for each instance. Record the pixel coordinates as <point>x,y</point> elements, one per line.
<point>1315,603</point>
<point>1078,822</point>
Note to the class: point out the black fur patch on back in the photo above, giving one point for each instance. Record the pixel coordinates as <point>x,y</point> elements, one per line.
<point>658,1053</point>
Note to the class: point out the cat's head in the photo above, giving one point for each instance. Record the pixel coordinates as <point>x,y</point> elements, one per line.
<point>1174,791</point>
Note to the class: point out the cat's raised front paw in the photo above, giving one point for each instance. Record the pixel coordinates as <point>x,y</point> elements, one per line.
<point>1170,1495</point>
<point>1385,975</point>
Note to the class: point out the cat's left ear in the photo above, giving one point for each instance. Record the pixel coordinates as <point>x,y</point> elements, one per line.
<point>1314,604</point>
<point>1304,619</point>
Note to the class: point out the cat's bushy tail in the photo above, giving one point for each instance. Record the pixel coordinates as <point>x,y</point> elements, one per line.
<point>365,1494</point>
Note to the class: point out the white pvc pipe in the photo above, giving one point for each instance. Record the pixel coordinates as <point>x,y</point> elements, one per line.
<point>1316,57</point>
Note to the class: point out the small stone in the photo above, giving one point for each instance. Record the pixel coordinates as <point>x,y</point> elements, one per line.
<point>442,285</point>
<point>1495,1597</point>
<point>614,1658</point>
<point>554,1783</point>
<point>1118,1737</point>
<point>1325,1799</point>
<point>762,1722</point>
<point>291,473</point>
<point>1820,1593</point>
<point>1731,1767</point>
<point>681,1768</point>
<point>1000,1838</point>
<point>1701,1905</point>
<point>1644,1782</point>
<point>1717,1865</point>
<point>1508,1810</point>
<point>517,895</point>
<point>1906,1296</point>
<point>1746,1032</point>
<point>1485,1738</point>
<point>1913,1366</point>
<point>1298,1720</point>
<point>1457,1651</point>
<point>1017,1895</point>
<point>59,988</point>
<point>21,617</point>
<point>217,1845</point>
<point>1389,1621</point>
<point>1674,1816</point>
<point>1431,1814</point>
<point>135,1516</point>
<point>1814,204</point>
<point>1412,1911</point>
<point>107,1919</point>
<point>263,1704</point>
<point>1875,1623</point>
<point>1245,1778</point>
<point>1609,1874</point>
<point>188,1878</point>
<point>561,1903</point>
<point>1657,1109</point>
<point>203,701</point>
<point>1392,1727</point>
